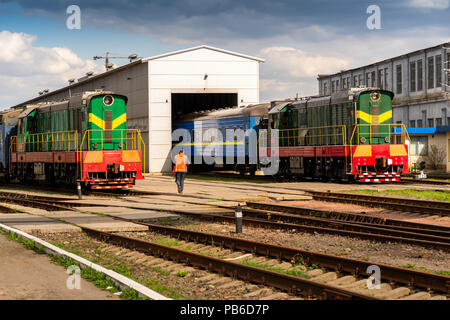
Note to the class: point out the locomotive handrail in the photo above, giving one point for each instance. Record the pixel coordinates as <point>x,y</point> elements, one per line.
<point>136,143</point>
<point>391,133</point>
<point>314,136</point>
<point>45,141</point>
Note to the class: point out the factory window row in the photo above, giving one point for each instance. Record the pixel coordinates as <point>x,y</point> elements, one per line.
<point>417,77</point>
<point>431,122</point>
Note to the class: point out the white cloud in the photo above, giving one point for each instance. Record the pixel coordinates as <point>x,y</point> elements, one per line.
<point>298,63</point>
<point>429,4</point>
<point>290,70</point>
<point>27,69</point>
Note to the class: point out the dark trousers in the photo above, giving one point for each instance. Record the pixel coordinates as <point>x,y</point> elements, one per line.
<point>179,179</point>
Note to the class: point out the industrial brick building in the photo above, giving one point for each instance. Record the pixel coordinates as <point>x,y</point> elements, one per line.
<point>162,87</point>
<point>420,81</point>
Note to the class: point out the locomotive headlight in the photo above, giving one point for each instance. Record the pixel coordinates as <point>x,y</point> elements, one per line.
<point>386,139</point>
<point>95,145</point>
<point>108,100</point>
<point>363,140</point>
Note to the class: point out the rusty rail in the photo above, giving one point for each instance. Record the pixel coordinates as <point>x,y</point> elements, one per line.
<point>356,267</point>
<point>359,218</point>
<point>409,205</point>
<point>292,284</point>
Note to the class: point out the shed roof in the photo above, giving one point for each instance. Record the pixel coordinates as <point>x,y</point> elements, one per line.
<point>202,47</point>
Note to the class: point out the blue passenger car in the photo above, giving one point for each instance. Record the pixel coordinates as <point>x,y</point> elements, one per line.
<point>8,124</point>
<point>222,139</point>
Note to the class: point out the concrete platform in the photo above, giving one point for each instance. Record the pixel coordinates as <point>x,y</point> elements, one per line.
<point>29,276</point>
<point>29,223</point>
<point>131,214</point>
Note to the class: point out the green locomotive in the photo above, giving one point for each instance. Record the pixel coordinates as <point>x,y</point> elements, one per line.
<point>349,133</point>
<point>83,138</point>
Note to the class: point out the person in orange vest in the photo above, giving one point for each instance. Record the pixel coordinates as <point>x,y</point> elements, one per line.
<point>180,169</point>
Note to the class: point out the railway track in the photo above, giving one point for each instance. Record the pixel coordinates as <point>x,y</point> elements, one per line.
<point>336,278</point>
<point>425,181</point>
<point>409,205</point>
<point>432,236</point>
<point>360,218</point>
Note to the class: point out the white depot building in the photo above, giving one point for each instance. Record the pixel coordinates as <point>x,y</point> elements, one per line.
<point>160,88</point>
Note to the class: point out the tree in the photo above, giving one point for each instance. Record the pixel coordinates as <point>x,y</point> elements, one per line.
<point>435,157</point>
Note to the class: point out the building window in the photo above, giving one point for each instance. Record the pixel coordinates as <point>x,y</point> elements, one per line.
<point>360,80</point>
<point>412,76</point>
<point>325,89</point>
<point>367,79</point>
<point>398,122</point>
<point>373,79</point>
<point>380,79</point>
<point>398,69</point>
<point>419,75</point>
<point>337,85</point>
<point>438,61</point>
<point>431,123</point>
<point>412,124</point>
<point>419,123</point>
<point>430,73</point>
<point>419,145</point>
<point>438,122</point>
<point>332,86</point>
<point>355,81</point>
<point>448,70</point>
<point>386,78</point>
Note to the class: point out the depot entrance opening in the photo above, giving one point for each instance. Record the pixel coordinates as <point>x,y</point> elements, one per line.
<point>184,103</point>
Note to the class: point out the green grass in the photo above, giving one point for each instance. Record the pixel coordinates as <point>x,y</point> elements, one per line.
<point>413,267</point>
<point>168,242</point>
<point>441,195</point>
<point>166,222</point>
<point>164,290</point>
<point>182,274</point>
<point>161,271</point>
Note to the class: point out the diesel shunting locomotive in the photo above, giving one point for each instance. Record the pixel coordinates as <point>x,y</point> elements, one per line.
<point>83,139</point>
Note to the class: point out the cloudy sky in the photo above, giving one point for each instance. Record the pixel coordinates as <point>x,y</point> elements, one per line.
<point>298,39</point>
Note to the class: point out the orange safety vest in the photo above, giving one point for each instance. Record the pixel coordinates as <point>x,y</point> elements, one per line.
<point>180,163</point>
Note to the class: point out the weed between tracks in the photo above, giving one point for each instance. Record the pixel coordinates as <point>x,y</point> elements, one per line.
<point>413,267</point>
<point>90,249</point>
<point>441,195</point>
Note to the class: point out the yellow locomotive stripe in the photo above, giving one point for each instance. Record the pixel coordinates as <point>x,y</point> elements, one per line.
<point>119,120</point>
<point>385,116</point>
<point>369,118</point>
<point>364,116</point>
<point>97,121</point>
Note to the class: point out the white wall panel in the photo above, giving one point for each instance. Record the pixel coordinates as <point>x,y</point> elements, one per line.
<point>183,73</point>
